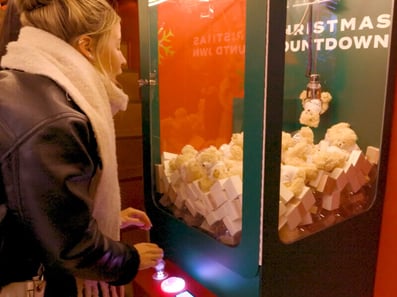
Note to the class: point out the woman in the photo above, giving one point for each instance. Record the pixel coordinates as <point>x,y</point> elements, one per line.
<point>57,147</point>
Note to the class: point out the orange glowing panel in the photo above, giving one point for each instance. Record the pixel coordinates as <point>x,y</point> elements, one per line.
<point>201,52</point>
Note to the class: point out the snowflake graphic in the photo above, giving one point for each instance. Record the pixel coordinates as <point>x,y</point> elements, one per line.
<point>164,44</point>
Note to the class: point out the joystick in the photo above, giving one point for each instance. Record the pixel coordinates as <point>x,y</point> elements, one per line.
<point>160,274</point>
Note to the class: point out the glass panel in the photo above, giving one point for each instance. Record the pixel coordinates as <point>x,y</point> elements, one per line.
<point>335,76</point>
<point>201,56</point>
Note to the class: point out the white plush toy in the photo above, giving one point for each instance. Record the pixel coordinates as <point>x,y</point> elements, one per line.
<point>329,157</point>
<point>297,147</point>
<point>293,178</point>
<point>343,136</point>
<point>297,150</point>
<point>313,108</point>
<point>234,149</point>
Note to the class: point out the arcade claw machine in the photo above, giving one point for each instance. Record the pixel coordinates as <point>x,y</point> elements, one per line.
<point>265,143</point>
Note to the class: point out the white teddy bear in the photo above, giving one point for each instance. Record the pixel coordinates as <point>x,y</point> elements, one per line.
<point>313,108</point>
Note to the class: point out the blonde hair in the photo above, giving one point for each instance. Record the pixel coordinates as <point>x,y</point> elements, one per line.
<point>69,19</point>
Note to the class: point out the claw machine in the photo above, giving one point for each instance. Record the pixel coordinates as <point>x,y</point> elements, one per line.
<point>265,130</point>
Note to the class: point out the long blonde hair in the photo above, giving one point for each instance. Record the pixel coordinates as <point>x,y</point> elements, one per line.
<point>69,19</point>
<point>9,28</point>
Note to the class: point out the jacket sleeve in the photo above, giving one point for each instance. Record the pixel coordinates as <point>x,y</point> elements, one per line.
<point>49,176</point>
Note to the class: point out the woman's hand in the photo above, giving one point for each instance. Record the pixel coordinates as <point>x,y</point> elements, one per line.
<point>149,254</point>
<point>134,217</point>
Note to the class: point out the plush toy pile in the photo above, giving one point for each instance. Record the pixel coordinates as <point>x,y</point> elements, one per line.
<point>204,188</point>
<point>322,179</point>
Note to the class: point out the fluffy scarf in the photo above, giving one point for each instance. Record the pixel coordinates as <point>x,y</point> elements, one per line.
<point>37,51</point>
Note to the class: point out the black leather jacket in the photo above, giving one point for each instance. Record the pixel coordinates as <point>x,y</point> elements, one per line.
<point>48,158</point>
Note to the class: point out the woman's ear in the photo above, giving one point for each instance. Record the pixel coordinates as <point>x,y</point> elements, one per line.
<point>85,45</point>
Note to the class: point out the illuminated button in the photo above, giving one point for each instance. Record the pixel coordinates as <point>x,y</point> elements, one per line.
<point>173,284</point>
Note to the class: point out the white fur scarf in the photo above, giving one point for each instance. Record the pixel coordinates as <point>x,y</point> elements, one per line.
<point>37,51</point>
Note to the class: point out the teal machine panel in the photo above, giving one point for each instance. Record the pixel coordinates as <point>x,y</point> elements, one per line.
<point>193,55</point>
<point>223,86</point>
